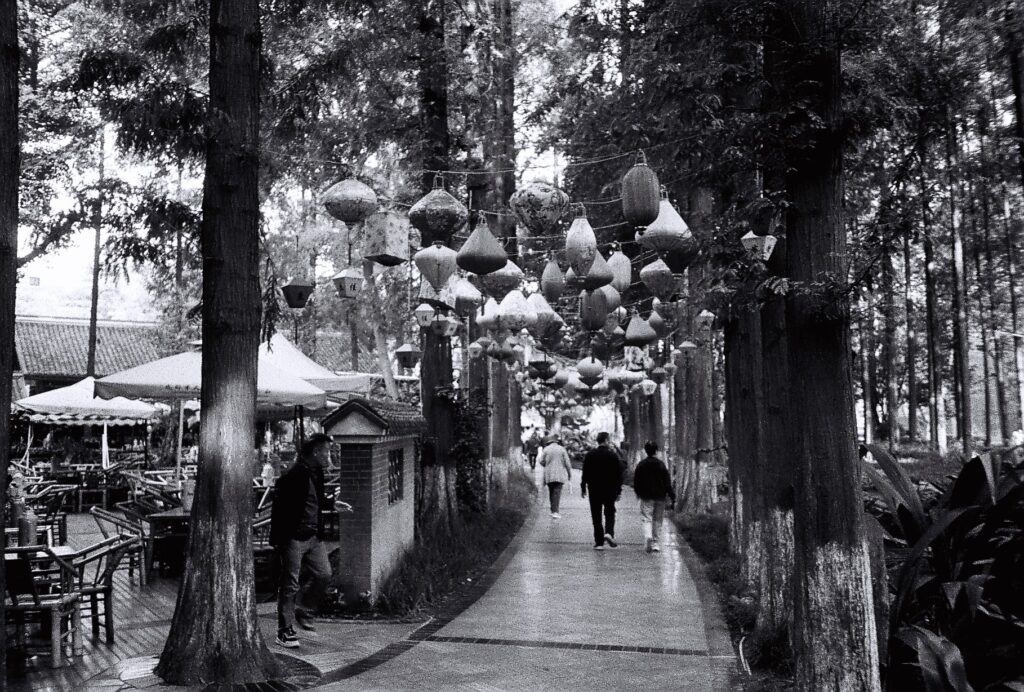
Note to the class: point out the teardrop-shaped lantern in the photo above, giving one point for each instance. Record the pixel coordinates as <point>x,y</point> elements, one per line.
<point>599,274</point>
<point>613,297</point>
<point>552,281</point>
<point>487,318</point>
<point>539,207</point>
<point>640,191</point>
<point>639,332</point>
<point>622,271</point>
<point>593,310</point>
<point>515,313</point>
<point>482,253</point>
<point>545,315</point>
<point>407,355</point>
<point>467,297</point>
<point>658,324</point>
<point>350,201</point>
<point>590,371</point>
<point>580,243</point>
<point>572,281</point>
<point>437,215</point>
<point>659,279</point>
<point>436,263</point>
<point>669,235</point>
<point>297,293</point>
<point>499,283</point>
<point>348,282</point>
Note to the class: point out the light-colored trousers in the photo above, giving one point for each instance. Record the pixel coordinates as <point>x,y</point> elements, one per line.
<point>652,512</point>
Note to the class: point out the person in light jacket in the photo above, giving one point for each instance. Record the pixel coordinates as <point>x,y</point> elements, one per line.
<point>557,472</point>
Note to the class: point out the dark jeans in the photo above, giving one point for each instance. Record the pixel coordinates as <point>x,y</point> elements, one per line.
<point>314,579</point>
<point>555,494</point>
<point>607,503</point>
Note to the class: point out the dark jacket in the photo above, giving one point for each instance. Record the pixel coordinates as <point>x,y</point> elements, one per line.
<point>602,473</point>
<point>290,494</point>
<point>651,480</point>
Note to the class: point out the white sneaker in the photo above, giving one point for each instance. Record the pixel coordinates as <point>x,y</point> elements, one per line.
<point>555,515</point>
<point>598,547</point>
<point>656,548</point>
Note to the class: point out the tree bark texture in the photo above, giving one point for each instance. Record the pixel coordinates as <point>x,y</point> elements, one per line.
<point>435,384</point>
<point>961,346</point>
<point>834,625</point>
<point>890,353</point>
<point>1018,342</point>
<point>9,177</point>
<point>433,88</point>
<point>932,331</point>
<point>908,302</point>
<point>215,635</point>
<point>97,220</point>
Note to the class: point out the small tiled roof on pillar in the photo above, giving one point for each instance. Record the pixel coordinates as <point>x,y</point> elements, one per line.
<point>393,417</point>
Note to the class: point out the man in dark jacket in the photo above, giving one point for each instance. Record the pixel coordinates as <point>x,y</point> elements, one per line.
<point>602,476</point>
<point>296,526</point>
<point>652,485</point>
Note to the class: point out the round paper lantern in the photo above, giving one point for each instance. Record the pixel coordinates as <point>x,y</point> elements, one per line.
<point>668,233</point>
<point>552,281</point>
<point>599,274</point>
<point>499,283</point>
<point>580,243</point>
<point>659,279</point>
<point>436,263</point>
<point>612,296</point>
<point>640,193</point>
<point>515,313</point>
<point>297,292</point>
<point>593,310</point>
<point>487,318</point>
<point>658,324</point>
<point>539,207</point>
<point>467,297</point>
<point>407,355</point>
<point>482,253</point>
<point>622,271</point>
<point>639,332</point>
<point>475,349</point>
<point>437,215</point>
<point>350,201</point>
<point>561,378</point>
<point>630,377</point>
<point>348,282</point>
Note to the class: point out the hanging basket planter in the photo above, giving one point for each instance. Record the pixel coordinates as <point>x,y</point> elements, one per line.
<point>437,215</point>
<point>640,193</point>
<point>482,253</point>
<point>639,332</point>
<point>552,281</point>
<point>386,236</point>
<point>593,310</point>
<point>622,271</point>
<point>599,274</point>
<point>350,201</point>
<point>659,279</point>
<point>539,207</point>
<point>506,279</point>
<point>436,264</point>
<point>467,297</point>
<point>348,282</point>
<point>580,243</point>
<point>297,293</point>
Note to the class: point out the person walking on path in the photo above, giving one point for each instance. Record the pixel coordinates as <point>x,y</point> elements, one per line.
<point>652,485</point>
<point>602,476</point>
<point>557,472</point>
<point>296,525</point>
<point>533,447</point>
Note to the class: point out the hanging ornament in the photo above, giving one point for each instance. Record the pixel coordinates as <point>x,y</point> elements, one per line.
<point>545,315</point>
<point>350,201</point>
<point>705,319</point>
<point>482,253</point>
<point>515,313</point>
<point>658,324</point>
<point>580,243</point>
<point>638,331</point>
<point>485,341</point>
<point>467,297</point>
<point>622,270</point>
<point>487,318</point>
<point>297,292</point>
<point>552,281</point>
<point>613,297</point>
<point>593,310</point>
<point>387,238</point>
<point>348,282</point>
<point>444,325</point>
<point>640,193</point>
<point>437,215</point>
<point>659,279</point>
<point>499,283</point>
<point>436,263</point>
<point>599,274</point>
<point>539,207</point>
<point>407,355</point>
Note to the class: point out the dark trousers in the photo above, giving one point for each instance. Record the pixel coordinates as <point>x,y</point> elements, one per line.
<point>315,578</point>
<point>555,495</point>
<point>598,503</point>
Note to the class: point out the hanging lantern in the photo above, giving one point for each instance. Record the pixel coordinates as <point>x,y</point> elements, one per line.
<point>297,292</point>
<point>552,281</point>
<point>348,282</point>
<point>545,315</point>
<point>437,215</point>
<point>621,314</point>
<point>387,238</point>
<point>659,375</point>
<point>671,368</point>
<point>487,318</point>
<point>424,315</point>
<point>638,331</point>
<point>622,270</point>
<point>656,305</point>
<point>467,297</point>
<point>436,263</point>
<point>506,351</point>
<point>619,333</point>
<point>482,253</point>
<point>658,324</point>
<point>580,243</point>
<point>613,297</point>
<point>630,377</point>
<point>441,300</point>
<point>445,325</point>
<point>610,325</point>
<point>485,341</point>
<point>593,310</point>
<point>515,313</point>
<point>539,207</point>
<point>475,349</point>
<point>599,274</point>
<point>648,387</point>
<point>350,201</point>
<point>704,319</point>
<point>669,233</point>
<point>599,347</point>
<point>499,283</point>
<point>640,193</point>
<point>572,281</point>
<point>561,378</point>
<point>659,279</point>
<point>687,348</point>
<point>759,247</point>
<point>407,355</point>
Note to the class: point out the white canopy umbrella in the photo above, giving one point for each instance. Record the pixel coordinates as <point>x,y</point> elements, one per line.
<point>283,354</point>
<point>77,404</point>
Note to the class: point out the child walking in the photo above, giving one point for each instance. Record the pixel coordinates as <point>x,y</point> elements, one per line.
<point>652,484</point>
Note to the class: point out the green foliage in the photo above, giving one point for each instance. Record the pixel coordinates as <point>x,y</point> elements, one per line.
<point>469,454</point>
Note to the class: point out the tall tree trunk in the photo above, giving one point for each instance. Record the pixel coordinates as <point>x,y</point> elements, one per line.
<point>890,354</point>
<point>215,634</point>
<point>1011,280</point>
<point>985,350</point>
<point>379,342</point>
<point>834,629</point>
<point>9,177</point>
<point>97,220</point>
<point>994,310</point>
<point>866,361</point>
<point>433,88</point>
<point>961,346</point>
<point>931,308</point>
<point>908,302</point>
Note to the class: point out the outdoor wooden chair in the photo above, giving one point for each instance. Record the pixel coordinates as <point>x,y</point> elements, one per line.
<point>41,584</point>
<point>92,490</point>
<point>50,510</point>
<point>140,554</point>
<point>95,566</point>
<point>264,559</point>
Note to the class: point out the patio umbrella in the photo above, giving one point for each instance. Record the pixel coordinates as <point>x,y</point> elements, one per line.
<point>283,354</point>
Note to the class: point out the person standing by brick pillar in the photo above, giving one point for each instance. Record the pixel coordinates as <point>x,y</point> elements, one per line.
<point>296,527</point>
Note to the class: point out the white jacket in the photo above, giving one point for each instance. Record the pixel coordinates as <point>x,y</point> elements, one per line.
<point>555,460</point>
